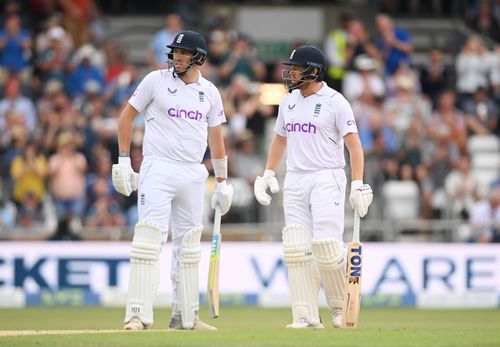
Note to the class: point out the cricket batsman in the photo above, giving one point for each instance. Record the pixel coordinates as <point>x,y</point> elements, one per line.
<point>314,122</point>
<point>181,109</point>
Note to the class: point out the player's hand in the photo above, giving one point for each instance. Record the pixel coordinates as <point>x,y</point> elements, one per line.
<point>222,197</point>
<point>125,180</point>
<point>361,197</point>
<point>268,180</point>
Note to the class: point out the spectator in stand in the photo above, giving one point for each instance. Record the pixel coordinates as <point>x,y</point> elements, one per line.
<point>15,102</point>
<point>364,83</point>
<point>14,139</point>
<point>29,173</point>
<point>462,188</point>
<point>218,46</point>
<point>440,157</point>
<point>84,72</point>
<point>482,113</point>
<point>77,19</point>
<point>243,107</point>
<point>336,45</point>
<point>410,152</point>
<point>242,59</point>
<point>359,43</point>
<point>448,121</point>
<point>483,20</point>
<point>53,61</point>
<point>472,66</point>
<point>15,46</point>
<point>43,38</point>
<point>156,54</point>
<point>434,77</point>
<point>67,170</point>
<point>485,218</point>
<point>395,44</point>
<point>406,104</point>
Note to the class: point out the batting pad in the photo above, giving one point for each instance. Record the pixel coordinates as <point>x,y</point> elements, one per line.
<point>189,258</point>
<point>330,256</point>
<point>303,276</point>
<point>144,272</point>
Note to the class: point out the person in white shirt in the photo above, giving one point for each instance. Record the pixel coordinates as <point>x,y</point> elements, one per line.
<point>181,109</point>
<point>314,121</point>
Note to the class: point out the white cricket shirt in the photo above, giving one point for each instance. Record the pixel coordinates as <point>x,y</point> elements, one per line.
<point>177,115</point>
<point>315,127</point>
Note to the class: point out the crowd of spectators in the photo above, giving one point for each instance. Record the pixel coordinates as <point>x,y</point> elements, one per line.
<point>63,84</point>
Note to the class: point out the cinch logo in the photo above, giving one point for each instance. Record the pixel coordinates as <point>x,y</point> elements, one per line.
<point>351,122</point>
<point>300,128</point>
<point>179,39</point>
<point>179,113</point>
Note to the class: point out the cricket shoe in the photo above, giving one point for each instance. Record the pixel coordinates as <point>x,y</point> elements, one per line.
<point>337,318</point>
<point>305,324</point>
<point>176,324</point>
<point>135,324</point>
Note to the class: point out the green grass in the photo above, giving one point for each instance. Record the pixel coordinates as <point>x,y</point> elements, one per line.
<point>259,327</point>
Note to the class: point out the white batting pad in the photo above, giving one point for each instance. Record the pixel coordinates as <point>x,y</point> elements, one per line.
<point>189,258</point>
<point>144,273</point>
<point>303,276</point>
<point>331,259</point>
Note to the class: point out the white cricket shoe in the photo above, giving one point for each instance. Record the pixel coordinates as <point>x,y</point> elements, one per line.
<point>337,318</point>
<point>176,324</point>
<point>135,324</point>
<point>305,324</point>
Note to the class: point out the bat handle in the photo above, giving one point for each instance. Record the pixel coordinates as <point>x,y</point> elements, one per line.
<point>217,219</point>
<point>355,230</point>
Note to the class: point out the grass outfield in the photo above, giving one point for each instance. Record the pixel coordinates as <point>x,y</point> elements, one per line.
<point>255,327</point>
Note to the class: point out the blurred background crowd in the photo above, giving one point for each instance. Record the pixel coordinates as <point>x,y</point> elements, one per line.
<point>427,110</point>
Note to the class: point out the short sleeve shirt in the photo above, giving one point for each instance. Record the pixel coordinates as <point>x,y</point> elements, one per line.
<point>177,115</point>
<point>315,127</point>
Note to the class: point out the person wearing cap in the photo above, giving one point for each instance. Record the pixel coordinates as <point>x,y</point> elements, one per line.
<point>53,60</point>
<point>181,110</point>
<point>314,122</point>
<point>364,83</point>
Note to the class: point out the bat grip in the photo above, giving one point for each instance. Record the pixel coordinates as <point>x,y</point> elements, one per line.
<point>355,230</point>
<point>217,219</point>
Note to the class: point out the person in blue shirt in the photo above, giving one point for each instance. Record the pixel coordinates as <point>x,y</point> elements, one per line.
<point>394,44</point>
<point>14,45</point>
<point>156,54</point>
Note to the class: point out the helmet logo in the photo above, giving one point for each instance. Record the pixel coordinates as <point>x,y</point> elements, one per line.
<point>179,39</point>
<point>291,54</point>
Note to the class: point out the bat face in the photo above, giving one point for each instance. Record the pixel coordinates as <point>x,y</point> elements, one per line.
<point>213,278</point>
<point>353,302</point>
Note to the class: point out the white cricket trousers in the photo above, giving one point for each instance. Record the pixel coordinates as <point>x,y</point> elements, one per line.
<point>171,195</point>
<point>316,199</point>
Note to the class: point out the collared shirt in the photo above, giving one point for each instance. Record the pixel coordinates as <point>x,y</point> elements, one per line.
<point>177,115</point>
<point>315,127</point>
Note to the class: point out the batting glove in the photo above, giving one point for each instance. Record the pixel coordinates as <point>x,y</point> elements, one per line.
<point>125,180</point>
<point>222,197</point>
<point>268,180</point>
<point>361,197</point>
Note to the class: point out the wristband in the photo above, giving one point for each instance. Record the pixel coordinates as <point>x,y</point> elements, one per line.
<point>356,184</point>
<point>220,167</point>
<point>124,161</point>
<point>269,173</point>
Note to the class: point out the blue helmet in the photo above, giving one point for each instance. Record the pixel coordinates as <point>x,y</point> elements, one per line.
<point>190,41</point>
<point>309,57</point>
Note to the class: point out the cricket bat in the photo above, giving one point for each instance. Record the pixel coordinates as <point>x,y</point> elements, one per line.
<point>213,270</point>
<point>354,265</point>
